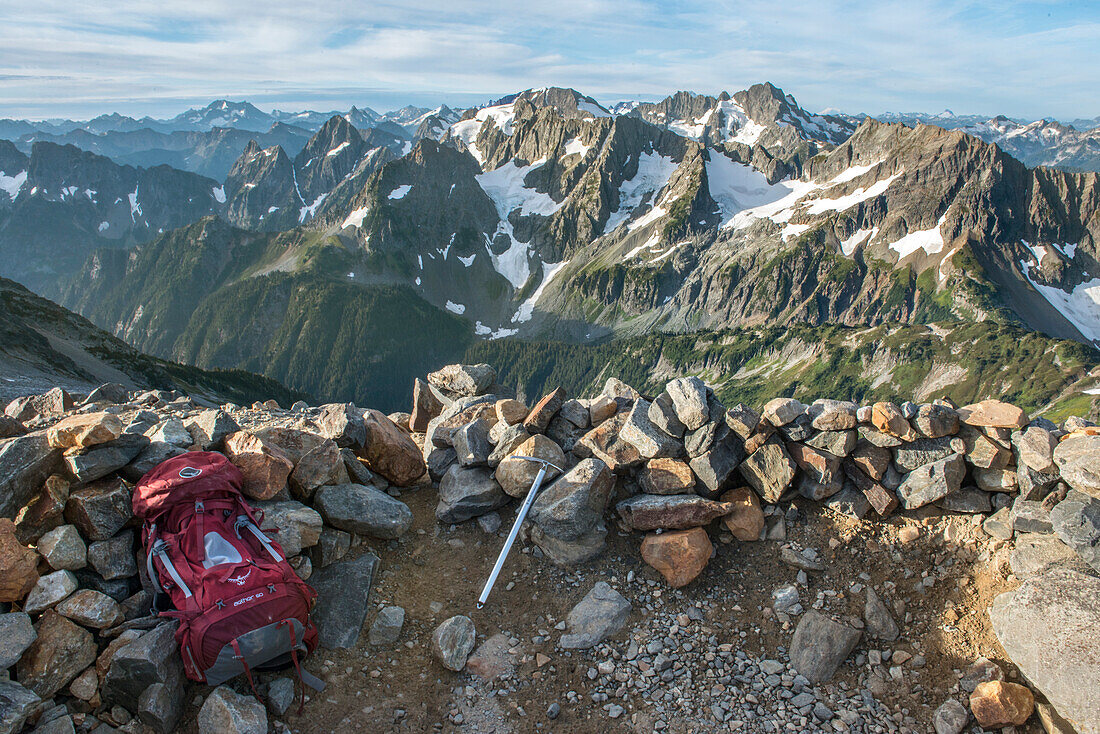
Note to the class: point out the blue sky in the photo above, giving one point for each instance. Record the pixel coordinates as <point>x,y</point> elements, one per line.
<point>1026,59</point>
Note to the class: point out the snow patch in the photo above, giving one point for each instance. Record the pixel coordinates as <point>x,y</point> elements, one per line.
<point>527,308</point>
<point>103,226</point>
<point>930,240</point>
<point>355,219</point>
<point>592,109</point>
<point>853,172</point>
<point>456,307</point>
<point>467,261</point>
<point>399,192</point>
<point>651,242</point>
<point>219,194</point>
<point>135,207</point>
<point>310,210</point>
<point>738,187</point>
<point>849,245</point>
<point>654,172</point>
<point>337,149</point>
<point>860,195</point>
<point>576,147</point>
<point>505,187</point>
<point>1081,306</point>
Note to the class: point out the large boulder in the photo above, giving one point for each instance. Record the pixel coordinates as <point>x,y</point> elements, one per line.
<point>769,470</point>
<point>689,398</point>
<point>363,510</point>
<point>96,462</point>
<point>993,414</point>
<point>297,526</point>
<point>1076,520</point>
<point>1045,626</point>
<point>666,476</point>
<point>538,419</point>
<point>100,509</point>
<point>153,657</point>
<point>343,423</point>
<point>1035,448</point>
<point>59,653</point>
<point>746,518</point>
<point>716,467</point>
<point>263,464</point>
<point>1078,460</point>
<point>570,552</point>
<point>25,462</point>
<point>114,558</point>
<point>426,406</point>
<point>227,712</point>
<point>323,464</point>
<point>389,451</point>
<point>669,512</point>
<point>516,475</point>
<point>680,555</point>
<point>16,635</point>
<point>601,613</point>
<point>463,380</point>
<point>84,430</point>
<point>573,505</point>
<point>343,590</point>
<point>210,427</point>
<point>91,608</point>
<point>932,482</point>
<point>820,645</point>
<point>18,565</point>
<point>465,493</point>
<point>606,444</point>
<point>17,704</point>
<point>52,404</point>
<point>651,441</point>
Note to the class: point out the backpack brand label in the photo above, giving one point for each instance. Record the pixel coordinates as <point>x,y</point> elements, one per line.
<point>250,597</point>
<point>239,580</point>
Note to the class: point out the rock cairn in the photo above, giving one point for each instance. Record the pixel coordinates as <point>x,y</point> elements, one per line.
<point>673,468</point>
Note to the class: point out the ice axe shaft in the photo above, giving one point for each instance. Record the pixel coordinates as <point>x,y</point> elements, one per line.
<point>520,517</point>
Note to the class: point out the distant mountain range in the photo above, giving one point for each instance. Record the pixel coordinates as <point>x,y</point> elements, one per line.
<point>544,215</point>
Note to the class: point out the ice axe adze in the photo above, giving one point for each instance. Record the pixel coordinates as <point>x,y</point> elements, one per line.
<point>520,517</point>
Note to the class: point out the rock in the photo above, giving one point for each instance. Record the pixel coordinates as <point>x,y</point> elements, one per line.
<point>100,509</point>
<point>679,555</point>
<point>210,428</point>
<point>574,504</point>
<point>490,522</point>
<point>467,493</point>
<point>820,645</point>
<point>821,467</point>
<point>332,545</point>
<point>471,443</point>
<point>983,452</point>
<point>50,590</point>
<point>1041,625</point>
<point>510,411</point>
<point>63,548</point>
<point>363,510</point>
<point>453,641</point>
<point>716,468</point>
<point>160,707</point>
<point>781,411</point>
<point>570,552</point>
<point>516,475</point>
<point>916,454</point>
<point>426,406</point>
<point>671,512</point>
<point>297,526</point>
<point>539,417</point>
<point>10,428</point>
<point>689,400</point>
<point>605,444</point>
<point>932,482</point>
<point>1035,448</point>
<point>91,608</point>
<point>889,419</point>
<point>785,599</point>
<point>264,466</point>
<point>699,441</point>
<point>851,502</point>
<point>996,480</point>
<point>88,465</point>
<point>510,439</point>
<point>666,476</point>
<point>108,392</point>
<point>837,443</point>
<point>280,696</point>
<point>600,614</point>
<point>967,500</point>
<point>1078,462</point>
<point>389,451</point>
<point>227,712</point>
<point>492,659</point>
<point>153,657</point>
<point>114,558</point>
<point>742,420</point>
<point>880,623</point>
<point>950,717</point>
<point>342,593</point>
<point>44,512</point>
<point>998,703</point>
<point>1076,520</point>
<point>800,429</point>
<point>58,654</point>
<point>146,459</point>
<point>1030,517</point>
<point>465,380</point>
<point>438,461</point>
<point>16,635</point>
<point>769,470</point>
<point>746,518</point>
<point>980,671</point>
<point>387,626</point>
<point>993,413</point>
<point>321,465</point>
<point>803,560</point>
<point>650,441</point>
<point>17,704</point>
<point>18,565</point>
<point>877,438</point>
<point>601,408</point>
<point>872,460</point>
<point>662,414</point>
<point>25,462</point>
<point>936,421</point>
<point>881,499</point>
<point>1036,553</point>
<point>171,431</point>
<point>52,404</point>
<point>84,430</point>
<point>343,423</point>
<point>833,415</point>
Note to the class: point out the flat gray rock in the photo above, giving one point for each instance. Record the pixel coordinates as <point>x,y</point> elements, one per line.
<point>342,592</point>
<point>820,645</point>
<point>601,613</point>
<point>468,492</point>
<point>363,510</point>
<point>16,635</point>
<point>1049,627</point>
<point>1076,520</point>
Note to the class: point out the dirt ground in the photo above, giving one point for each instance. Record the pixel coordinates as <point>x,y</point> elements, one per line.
<point>435,572</point>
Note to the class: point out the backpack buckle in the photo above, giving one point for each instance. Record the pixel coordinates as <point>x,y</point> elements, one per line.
<point>199,507</point>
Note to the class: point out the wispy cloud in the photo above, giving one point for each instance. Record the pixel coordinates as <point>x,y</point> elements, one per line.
<point>1014,57</point>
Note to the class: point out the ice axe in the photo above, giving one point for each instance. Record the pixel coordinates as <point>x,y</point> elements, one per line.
<point>520,517</point>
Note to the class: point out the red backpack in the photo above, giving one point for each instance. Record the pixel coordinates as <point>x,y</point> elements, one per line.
<point>241,606</point>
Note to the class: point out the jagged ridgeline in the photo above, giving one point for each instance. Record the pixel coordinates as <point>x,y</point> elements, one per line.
<point>371,255</point>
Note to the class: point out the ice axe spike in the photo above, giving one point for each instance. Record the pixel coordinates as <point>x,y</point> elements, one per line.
<point>520,517</point>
